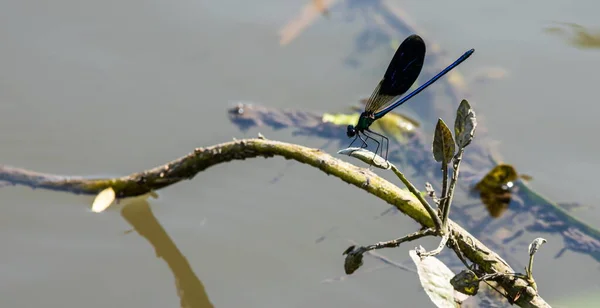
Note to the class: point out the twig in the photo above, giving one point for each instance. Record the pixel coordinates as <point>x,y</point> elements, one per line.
<point>444,199</point>
<point>438,249</point>
<point>395,243</point>
<point>448,201</point>
<point>354,256</point>
<point>417,193</point>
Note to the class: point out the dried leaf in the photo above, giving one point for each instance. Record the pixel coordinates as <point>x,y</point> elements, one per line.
<point>465,124</point>
<point>103,200</point>
<point>429,189</point>
<point>443,143</point>
<point>353,261</point>
<point>435,279</point>
<point>367,157</point>
<point>466,282</point>
<point>535,245</point>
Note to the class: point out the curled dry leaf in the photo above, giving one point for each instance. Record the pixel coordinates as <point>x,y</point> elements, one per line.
<point>535,245</point>
<point>466,282</point>
<point>465,124</point>
<point>367,157</point>
<point>353,261</point>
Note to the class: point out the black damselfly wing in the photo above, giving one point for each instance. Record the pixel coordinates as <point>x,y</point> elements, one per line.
<point>401,74</point>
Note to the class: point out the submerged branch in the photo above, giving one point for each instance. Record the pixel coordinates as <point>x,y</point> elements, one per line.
<point>203,158</point>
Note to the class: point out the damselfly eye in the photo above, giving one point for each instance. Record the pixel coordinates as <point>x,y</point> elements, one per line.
<point>351,132</point>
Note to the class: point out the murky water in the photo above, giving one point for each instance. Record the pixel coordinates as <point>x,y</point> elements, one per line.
<point>108,88</point>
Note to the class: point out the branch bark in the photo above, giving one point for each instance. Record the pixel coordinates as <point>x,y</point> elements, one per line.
<point>187,167</point>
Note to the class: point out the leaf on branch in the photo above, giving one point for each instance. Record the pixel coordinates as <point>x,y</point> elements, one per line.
<point>443,143</point>
<point>535,245</point>
<point>466,282</point>
<point>367,157</point>
<point>465,124</point>
<point>354,259</point>
<point>435,279</point>
<point>103,200</point>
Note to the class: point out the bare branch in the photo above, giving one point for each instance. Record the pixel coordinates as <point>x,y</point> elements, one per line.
<point>203,158</point>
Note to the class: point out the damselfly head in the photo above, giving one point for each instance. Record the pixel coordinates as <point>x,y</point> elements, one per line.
<point>351,131</point>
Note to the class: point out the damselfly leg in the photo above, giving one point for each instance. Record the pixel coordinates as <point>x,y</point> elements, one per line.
<point>358,136</point>
<point>385,143</point>
<point>374,140</point>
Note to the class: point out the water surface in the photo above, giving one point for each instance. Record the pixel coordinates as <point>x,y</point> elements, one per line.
<point>113,87</point>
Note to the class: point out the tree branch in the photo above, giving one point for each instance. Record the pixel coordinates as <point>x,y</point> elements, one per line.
<point>203,158</point>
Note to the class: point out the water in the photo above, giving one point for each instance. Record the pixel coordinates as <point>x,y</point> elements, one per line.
<point>113,87</point>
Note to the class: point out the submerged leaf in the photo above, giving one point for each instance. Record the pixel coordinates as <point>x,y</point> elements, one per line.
<point>498,178</point>
<point>367,157</point>
<point>576,35</point>
<point>465,124</point>
<point>399,117</point>
<point>443,143</point>
<point>496,202</point>
<point>340,118</point>
<point>305,18</point>
<point>103,200</point>
<point>396,127</point>
<point>495,189</point>
<point>435,279</point>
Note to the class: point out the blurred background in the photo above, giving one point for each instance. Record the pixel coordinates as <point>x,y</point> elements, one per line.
<point>107,88</point>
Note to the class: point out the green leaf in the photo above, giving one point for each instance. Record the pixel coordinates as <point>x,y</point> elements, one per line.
<point>443,143</point>
<point>465,124</point>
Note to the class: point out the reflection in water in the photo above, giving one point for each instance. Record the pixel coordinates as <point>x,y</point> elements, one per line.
<point>495,188</point>
<point>496,202</point>
<point>519,207</point>
<point>576,35</point>
<point>189,288</point>
<point>309,14</point>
